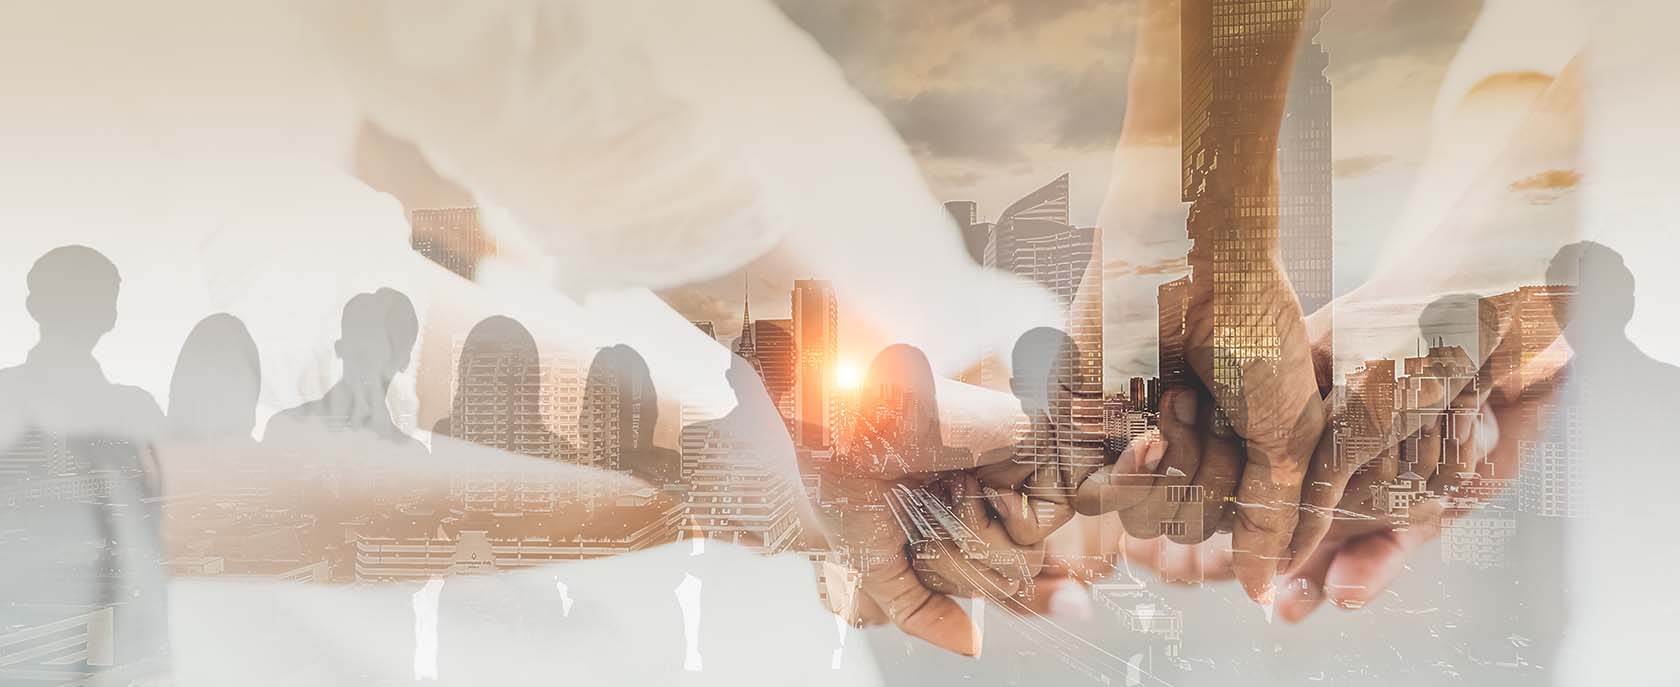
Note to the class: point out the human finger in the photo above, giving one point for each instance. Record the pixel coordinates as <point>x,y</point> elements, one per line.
<point>1366,565</point>
<point>1326,483</point>
<point>1215,483</point>
<point>1269,496</point>
<point>1303,590</point>
<point>1118,486</point>
<point>1182,417</point>
<point>872,525</point>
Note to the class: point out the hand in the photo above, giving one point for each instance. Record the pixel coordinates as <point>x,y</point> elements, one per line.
<point>1361,555</point>
<point>905,532</point>
<point>1243,425</point>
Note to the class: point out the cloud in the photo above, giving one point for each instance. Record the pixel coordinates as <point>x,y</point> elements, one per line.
<point>1005,81</point>
<point>1168,266</point>
<point>1359,165</point>
<point>1095,105</point>
<point>956,123</point>
<point>1549,180</point>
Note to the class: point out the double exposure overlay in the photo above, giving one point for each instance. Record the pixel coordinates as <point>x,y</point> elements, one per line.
<point>853,342</point>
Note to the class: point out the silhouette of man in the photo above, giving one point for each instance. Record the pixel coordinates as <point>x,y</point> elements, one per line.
<point>376,342</point>
<point>1042,464</point>
<point>1621,556</point>
<point>61,418</point>
<point>749,446</point>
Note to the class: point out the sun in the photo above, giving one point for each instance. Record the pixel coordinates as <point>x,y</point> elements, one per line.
<point>848,375</point>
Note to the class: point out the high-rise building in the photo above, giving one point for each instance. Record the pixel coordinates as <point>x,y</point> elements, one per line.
<point>500,401</point>
<point>1247,194</point>
<point>734,494</point>
<point>974,232</point>
<point>777,361</point>
<point>816,345</point>
<point>450,237</point>
<point>1139,396</point>
<point>1305,239</point>
<point>768,346</point>
<point>1518,330</point>
<point>1369,416</point>
<point>1032,238</point>
<point>1172,305</point>
<point>1438,390</point>
<point>1154,404</point>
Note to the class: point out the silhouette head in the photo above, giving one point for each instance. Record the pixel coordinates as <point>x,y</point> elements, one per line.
<point>73,295</point>
<point>1603,300</point>
<point>618,371</point>
<point>1449,316</point>
<point>1038,369</point>
<point>218,375</point>
<point>901,379</point>
<point>749,388</point>
<point>377,335</point>
<point>507,348</point>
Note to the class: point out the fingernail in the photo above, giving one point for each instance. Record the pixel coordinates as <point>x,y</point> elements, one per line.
<point>1266,597</point>
<point>1070,601</point>
<point>1300,602</point>
<point>1184,407</point>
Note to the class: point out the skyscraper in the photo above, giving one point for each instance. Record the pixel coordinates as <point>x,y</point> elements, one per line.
<point>1172,303</point>
<point>1139,393</point>
<point>768,346</point>
<point>450,237</point>
<point>1032,238</point>
<point>1518,329</point>
<point>733,493</point>
<point>974,232</point>
<point>1439,390</point>
<point>500,402</point>
<point>1369,417</point>
<point>1248,193</point>
<point>816,345</point>
<point>776,362</point>
<point>1304,170</point>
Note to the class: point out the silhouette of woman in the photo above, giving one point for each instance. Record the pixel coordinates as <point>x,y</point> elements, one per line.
<point>619,413</point>
<point>499,392</point>
<point>896,427</point>
<point>213,393</point>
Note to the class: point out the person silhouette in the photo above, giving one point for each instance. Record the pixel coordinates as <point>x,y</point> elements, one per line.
<point>619,412</point>
<point>377,337</point>
<point>1051,455</point>
<point>208,442</point>
<point>343,446</point>
<point>746,452</point>
<point>64,421</point>
<point>218,375</point>
<point>500,377</point>
<point>1619,400</point>
<point>498,404</point>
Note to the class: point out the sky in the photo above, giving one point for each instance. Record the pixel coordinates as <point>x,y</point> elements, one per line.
<point>995,98</point>
<point>989,99</point>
